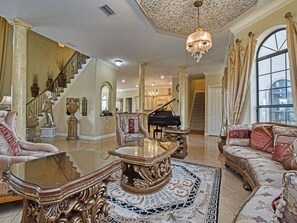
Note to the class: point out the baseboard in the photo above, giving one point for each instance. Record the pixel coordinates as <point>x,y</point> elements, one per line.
<point>199,132</point>
<point>93,138</point>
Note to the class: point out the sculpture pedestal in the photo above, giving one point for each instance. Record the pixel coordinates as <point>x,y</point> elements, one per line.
<point>32,123</point>
<point>72,106</point>
<point>48,132</point>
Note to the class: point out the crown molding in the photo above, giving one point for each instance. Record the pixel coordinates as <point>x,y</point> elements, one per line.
<point>259,14</point>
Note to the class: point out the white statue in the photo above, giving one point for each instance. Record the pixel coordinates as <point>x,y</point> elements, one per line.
<point>47,108</point>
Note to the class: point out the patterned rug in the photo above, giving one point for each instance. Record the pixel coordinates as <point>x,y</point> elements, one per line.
<point>191,196</point>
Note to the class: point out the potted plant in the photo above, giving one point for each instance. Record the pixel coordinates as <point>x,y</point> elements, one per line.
<point>34,86</point>
<point>62,77</point>
<point>49,81</point>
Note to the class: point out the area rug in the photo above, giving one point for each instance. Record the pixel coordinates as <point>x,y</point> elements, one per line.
<point>191,196</point>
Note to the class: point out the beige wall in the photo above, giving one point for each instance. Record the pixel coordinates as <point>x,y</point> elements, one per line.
<point>210,80</point>
<point>88,84</point>
<point>42,54</point>
<point>105,72</point>
<point>163,93</point>
<point>261,29</point>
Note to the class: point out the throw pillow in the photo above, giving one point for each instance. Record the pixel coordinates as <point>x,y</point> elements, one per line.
<point>131,126</point>
<point>285,131</point>
<point>8,136</point>
<point>289,160</point>
<point>4,147</point>
<point>238,135</point>
<point>281,144</point>
<point>286,207</point>
<point>262,137</point>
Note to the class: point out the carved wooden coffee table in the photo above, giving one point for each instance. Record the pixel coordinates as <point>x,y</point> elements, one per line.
<point>65,187</point>
<point>147,167</point>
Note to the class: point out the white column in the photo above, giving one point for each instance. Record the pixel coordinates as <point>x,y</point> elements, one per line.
<point>182,97</point>
<point>141,86</point>
<point>19,73</point>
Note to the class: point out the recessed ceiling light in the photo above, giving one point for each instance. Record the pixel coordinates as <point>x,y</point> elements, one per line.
<point>118,62</point>
<point>162,77</point>
<point>123,81</point>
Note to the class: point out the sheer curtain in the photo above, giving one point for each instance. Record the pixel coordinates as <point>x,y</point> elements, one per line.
<point>292,51</point>
<point>3,47</point>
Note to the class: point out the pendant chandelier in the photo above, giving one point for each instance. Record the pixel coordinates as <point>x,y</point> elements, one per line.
<point>199,41</point>
<point>154,93</point>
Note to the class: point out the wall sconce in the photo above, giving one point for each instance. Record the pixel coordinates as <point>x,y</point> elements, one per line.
<point>84,106</point>
<point>6,101</point>
<point>61,45</point>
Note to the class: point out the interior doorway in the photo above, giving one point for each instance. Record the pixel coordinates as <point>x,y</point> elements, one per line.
<point>128,102</point>
<point>214,110</point>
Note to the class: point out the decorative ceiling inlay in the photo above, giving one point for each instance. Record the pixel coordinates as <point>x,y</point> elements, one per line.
<point>180,16</point>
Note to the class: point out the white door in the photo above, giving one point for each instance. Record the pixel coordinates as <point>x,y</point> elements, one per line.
<point>214,110</point>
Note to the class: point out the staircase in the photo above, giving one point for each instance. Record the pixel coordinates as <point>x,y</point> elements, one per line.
<point>197,121</point>
<point>34,106</point>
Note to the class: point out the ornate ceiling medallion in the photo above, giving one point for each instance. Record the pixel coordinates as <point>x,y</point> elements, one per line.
<point>176,17</point>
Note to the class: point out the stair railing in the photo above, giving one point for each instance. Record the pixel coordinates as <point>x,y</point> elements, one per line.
<point>34,106</point>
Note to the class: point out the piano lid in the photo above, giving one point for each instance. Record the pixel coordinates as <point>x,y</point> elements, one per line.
<point>162,106</point>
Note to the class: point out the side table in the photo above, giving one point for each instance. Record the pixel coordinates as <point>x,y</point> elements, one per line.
<point>175,134</point>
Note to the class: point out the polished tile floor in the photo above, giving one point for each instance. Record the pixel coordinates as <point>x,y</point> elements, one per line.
<point>202,149</point>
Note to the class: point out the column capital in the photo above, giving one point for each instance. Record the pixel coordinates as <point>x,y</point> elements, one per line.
<point>142,64</point>
<point>19,22</point>
<point>183,67</point>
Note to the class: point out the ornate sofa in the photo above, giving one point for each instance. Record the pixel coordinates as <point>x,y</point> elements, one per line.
<point>14,149</point>
<point>261,153</point>
<point>129,128</point>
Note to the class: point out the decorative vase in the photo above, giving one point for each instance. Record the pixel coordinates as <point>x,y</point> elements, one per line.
<point>34,90</point>
<point>62,80</point>
<point>49,85</point>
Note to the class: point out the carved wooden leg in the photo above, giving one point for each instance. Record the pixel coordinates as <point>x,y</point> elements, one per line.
<point>89,205</point>
<point>146,179</point>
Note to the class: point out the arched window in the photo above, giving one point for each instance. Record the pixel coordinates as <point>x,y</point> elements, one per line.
<point>274,92</point>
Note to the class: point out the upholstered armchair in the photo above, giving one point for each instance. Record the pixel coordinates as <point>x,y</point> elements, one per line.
<point>129,128</point>
<point>14,149</point>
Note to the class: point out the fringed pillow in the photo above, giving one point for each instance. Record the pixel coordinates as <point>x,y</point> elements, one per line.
<point>10,146</point>
<point>286,207</point>
<point>289,159</point>
<point>281,144</point>
<point>262,137</point>
<point>239,135</point>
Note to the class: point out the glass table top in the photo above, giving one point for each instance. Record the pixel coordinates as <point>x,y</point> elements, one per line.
<point>148,149</point>
<point>58,169</point>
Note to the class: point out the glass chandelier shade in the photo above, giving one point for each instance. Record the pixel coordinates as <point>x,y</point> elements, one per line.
<point>199,42</point>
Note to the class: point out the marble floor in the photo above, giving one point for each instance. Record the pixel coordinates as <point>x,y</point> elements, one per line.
<point>202,149</point>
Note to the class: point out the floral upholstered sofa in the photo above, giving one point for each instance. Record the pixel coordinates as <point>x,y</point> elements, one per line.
<point>265,155</point>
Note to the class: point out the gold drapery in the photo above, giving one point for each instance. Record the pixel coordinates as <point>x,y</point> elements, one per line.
<point>240,64</point>
<point>292,51</point>
<point>3,48</point>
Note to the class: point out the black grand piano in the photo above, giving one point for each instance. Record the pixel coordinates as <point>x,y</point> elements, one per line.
<point>162,118</point>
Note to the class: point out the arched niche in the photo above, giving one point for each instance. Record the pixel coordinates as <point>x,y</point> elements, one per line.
<point>105,98</point>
